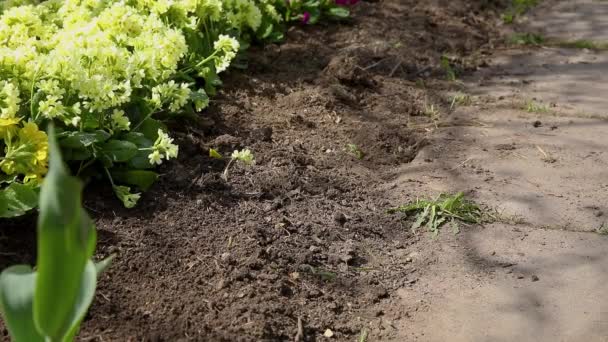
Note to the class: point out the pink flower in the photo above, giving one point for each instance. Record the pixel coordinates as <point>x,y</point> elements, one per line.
<point>305,18</point>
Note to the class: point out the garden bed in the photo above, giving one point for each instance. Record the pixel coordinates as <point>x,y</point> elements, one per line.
<point>303,235</point>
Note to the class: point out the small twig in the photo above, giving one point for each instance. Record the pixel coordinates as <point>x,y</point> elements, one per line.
<point>395,69</point>
<point>300,333</point>
<point>372,65</point>
<point>543,152</point>
<point>461,164</point>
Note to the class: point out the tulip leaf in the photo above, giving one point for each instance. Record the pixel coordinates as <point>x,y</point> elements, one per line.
<point>66,241</point>
<point>16,297</point>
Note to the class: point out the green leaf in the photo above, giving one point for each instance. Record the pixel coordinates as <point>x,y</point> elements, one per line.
<point>339,13</point>
<point>150,128</point>
<point>16,301</point>
<point>138,139</point>
<point>119,150</point>
<point>79,140</point>
<point>200,99</point>
<point>86,293</point>
<point>101,266</point>
<point>140,161</point>
<point>17,199</point>
<point>66,242</point>
<point>4,178</point>
<point>141,178</point>
<point>213,153</point>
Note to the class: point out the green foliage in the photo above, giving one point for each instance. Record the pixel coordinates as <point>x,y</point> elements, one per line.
<point>355,151</point>
<point>50,303</point>
<point>518,8</point>
<point>447,67</point>
<point>311,11</point>
<point>17,199</point>
<point>532,106</point>
<point>603,229</point>
<point>445,209</point>
<point>460,99</point>
<point>584,44</point>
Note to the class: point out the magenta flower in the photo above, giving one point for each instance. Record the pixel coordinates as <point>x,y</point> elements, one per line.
<point>305,18</point>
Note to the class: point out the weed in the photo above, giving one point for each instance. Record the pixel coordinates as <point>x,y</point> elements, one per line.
<point>430,110</point>
<point>445,209</point>
<point>532,106</point>
<point>447,67</point>
<point>527,39</point>
<point>244,156</point>
<point>356,151</point>
<point>461,99</point>
<point>420,83</point>
<point>603,229</point>
<point>517,8</point>
<point>319,272</point>
<point>508,18</point>
<point>363,335</point>
<point>583,44</point>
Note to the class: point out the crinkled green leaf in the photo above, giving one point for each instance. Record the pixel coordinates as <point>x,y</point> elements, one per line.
<point>140,161</point>
<point>119,150</point>
<point>17,199</point>
<point>79,140</point>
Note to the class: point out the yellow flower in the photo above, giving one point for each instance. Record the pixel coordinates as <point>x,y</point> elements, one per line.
<point>28,155</point>
<point>8,127</point>
<point>31,135</point>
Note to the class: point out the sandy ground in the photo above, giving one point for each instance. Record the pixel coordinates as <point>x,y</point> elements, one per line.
<point>540,274</point>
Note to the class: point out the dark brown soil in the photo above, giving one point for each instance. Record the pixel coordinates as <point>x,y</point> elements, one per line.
<point>303,235</point>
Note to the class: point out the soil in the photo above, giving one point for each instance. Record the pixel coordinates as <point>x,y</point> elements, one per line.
<point>300,245</point>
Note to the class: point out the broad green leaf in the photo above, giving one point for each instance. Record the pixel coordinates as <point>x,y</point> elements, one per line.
<point>119,150</point>
<point>66,241</point>
<point>17,199</point>
<point>139,139</point>
<point>150,128</point>
<point>16,296</point>
<point>141,178</point>
<point>77,154</point>
<point>140,161</point>
<point>79,140</point>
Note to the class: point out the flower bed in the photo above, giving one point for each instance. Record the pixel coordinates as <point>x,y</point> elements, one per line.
<point>110,73</point>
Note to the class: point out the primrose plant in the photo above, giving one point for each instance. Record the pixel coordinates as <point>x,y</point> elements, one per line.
<point>243,156</point>
<point>48,304</point>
